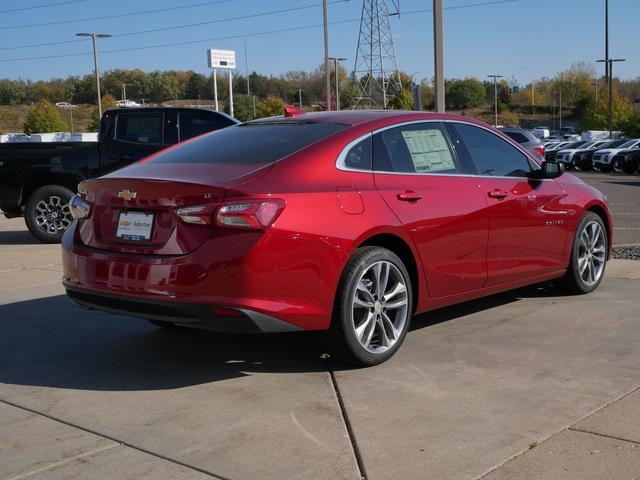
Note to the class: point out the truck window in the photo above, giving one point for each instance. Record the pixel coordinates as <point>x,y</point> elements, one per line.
<point>191,124</point>
<point>143,128</point>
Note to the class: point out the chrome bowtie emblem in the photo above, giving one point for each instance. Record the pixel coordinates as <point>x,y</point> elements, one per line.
<point>127,195</point>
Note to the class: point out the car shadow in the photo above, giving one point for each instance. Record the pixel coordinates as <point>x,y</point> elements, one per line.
<point>47,342</point>
<point>18,237</point>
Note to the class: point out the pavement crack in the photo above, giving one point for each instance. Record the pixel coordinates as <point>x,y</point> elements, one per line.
<point>113,439</point>
<point>613,437</point>
<point>347,422</point>
<point>35,471</point>
<point>33,267</point>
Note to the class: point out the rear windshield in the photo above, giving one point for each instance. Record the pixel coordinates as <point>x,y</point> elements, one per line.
<point>518,137</point>
<point>250,143</point>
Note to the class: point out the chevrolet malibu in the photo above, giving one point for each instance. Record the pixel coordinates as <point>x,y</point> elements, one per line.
<point>345,222</point>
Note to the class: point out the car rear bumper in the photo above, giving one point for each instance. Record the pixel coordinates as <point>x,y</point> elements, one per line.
<point>267,278</point>
<point>227,320</point>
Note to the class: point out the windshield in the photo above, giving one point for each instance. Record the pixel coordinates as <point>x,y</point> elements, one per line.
<point>613,144</point>
<point>628,144</point>
<point>250,143</point>
<point>574,145</point>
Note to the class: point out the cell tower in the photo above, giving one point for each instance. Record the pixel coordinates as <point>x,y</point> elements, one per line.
<point>376,69</point>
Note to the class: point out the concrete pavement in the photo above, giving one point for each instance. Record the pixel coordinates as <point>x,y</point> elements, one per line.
<point>623,192</point>
<point>474,387</point>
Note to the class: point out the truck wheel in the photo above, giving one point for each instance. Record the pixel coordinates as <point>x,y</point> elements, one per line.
<point>47,214</point>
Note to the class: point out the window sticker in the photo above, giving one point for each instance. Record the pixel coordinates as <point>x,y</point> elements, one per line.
<point>429,150</point>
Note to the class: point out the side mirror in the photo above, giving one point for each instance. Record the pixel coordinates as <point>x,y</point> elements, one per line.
<point>548,170</point>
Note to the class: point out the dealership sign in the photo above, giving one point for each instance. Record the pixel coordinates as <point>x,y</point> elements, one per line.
<point>221,58</point>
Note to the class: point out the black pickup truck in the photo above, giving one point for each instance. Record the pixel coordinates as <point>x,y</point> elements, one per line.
<point>37,180</point>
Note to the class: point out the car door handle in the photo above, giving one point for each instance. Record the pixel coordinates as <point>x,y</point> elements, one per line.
<point>497,193</point>
<point>409,196</point>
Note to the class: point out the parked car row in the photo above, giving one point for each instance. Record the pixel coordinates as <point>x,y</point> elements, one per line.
<point>601,156</point>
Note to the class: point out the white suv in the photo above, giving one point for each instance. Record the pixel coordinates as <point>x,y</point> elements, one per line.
<point>602,158</point>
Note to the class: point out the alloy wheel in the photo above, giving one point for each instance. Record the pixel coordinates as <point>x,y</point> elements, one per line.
<point>53,215</point>
<point>591,253</point>
<point>379,307</point>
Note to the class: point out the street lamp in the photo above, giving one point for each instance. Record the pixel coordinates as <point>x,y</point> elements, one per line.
<point>438,55</point>
<point>609,68</point>
<point>95,64</point>
<point>335,68</point>
<point>495,96</point>
<point>327,66</point>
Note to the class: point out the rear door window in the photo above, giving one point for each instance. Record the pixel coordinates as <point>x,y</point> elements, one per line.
<point>143,128</point>
<point>415,148</point>
<point>490,154</point>
<point>192,124</point>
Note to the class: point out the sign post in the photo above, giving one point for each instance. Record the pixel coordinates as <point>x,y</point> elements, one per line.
<point>225,59</point>
<point>215,88</point>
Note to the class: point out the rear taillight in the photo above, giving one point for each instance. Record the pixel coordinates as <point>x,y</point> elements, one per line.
<point>79,207</point>
<point>199,215</point>
<point>540,150</point>
<point>256,215</point>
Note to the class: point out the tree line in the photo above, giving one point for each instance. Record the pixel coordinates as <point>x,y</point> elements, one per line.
<point>471,96</point>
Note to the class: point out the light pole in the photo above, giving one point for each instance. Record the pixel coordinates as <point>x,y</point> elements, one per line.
<point>438,55</point>
<point>95,63</point>
<point>337,79</point>
<point>300,98</point>
<point>609,68</point>
<point>495,96</point>
<point>327,66</point>
<point>596,85</point>
<point>246,64</point>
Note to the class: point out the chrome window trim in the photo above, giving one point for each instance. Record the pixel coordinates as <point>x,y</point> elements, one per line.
<point>340,161</point>
<point>342,157</point>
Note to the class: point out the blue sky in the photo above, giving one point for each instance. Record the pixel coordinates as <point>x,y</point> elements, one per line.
<point>508,38</point>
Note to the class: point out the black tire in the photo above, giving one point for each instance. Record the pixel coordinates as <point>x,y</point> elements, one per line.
<point>45,227</point>
<point>572,281</point>
<point>619,167</point>
<point>341,339</point>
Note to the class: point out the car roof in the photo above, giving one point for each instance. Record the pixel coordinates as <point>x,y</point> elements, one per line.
<point>361,117</point>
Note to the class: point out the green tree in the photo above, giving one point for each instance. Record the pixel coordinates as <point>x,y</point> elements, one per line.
<point>242,107</point>
<point>402,101</point>
<point>270,106</point>
<point>597,114</point>
<point>466,93</point>
<point>631,127</point>
<point>108,103</point>
<point>44,118</point>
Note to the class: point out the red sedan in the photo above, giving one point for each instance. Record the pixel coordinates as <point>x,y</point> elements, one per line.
<point>349,222</point>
